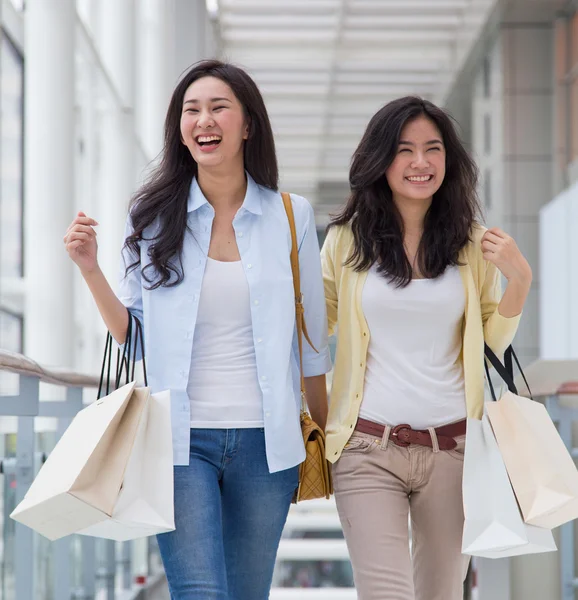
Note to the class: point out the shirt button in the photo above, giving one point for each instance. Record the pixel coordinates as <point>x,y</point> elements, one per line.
<point>259,340</point>
<point>267,414</point>
<point>263,378</point>
<point>249,266</point>
<point>189,335</point>
<point>240,234</point>
<point>256,303</point>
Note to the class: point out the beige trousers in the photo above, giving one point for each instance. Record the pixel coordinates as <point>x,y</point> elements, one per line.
<point>378,485</point>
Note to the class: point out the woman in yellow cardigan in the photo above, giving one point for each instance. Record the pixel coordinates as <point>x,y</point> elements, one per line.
<point>412,284</point>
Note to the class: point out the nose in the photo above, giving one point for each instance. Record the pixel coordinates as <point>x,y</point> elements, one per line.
<point>420,161</point>
<point>205,120</point>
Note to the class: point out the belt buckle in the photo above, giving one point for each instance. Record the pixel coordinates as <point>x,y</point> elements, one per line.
<point>399,432</point>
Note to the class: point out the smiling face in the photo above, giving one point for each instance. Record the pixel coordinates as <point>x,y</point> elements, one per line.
<point>419,167</point>
<point>213,124</point>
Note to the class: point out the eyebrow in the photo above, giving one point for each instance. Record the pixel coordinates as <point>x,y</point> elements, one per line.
<point>195,101</point>
<point>427,143</point>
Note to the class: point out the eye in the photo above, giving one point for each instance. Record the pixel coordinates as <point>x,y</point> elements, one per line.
<point>219,107</point>
<point>191,110</point>
<point>404,150</point>
<point>435,148</point>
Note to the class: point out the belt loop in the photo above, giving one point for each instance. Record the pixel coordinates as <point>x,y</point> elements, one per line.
<point>434,439</point>
<point>385,437</point>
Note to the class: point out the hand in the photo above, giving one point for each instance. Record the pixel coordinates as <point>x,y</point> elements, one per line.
<point>501,250</point>
<point>80,241</point>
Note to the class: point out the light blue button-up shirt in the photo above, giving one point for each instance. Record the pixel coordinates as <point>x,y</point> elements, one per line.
<point>169,315</point>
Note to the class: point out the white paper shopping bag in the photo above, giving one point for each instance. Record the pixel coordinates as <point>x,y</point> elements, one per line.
<point>493,526</point>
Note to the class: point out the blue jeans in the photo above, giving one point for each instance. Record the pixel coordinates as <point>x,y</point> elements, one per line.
<point>229,515</point>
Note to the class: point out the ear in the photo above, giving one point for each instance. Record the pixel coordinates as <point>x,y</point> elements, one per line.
<point>246,129</point>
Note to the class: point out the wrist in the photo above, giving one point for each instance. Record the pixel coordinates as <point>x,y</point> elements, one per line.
<point>89,274</point>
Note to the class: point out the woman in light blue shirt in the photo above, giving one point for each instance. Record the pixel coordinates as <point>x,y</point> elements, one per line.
<point>206,268</point>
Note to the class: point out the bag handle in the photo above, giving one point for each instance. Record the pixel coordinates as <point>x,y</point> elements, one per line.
<point>125,362</point>
<point>505,371</point>
<point>299,308</point>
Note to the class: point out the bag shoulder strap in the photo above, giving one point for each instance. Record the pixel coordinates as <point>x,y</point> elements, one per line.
<point>299,309</point>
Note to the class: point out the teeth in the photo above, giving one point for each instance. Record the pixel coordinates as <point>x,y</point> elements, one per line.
<point>420,179</point>
<point>208,138</point>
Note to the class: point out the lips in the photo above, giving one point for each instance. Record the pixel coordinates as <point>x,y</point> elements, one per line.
<point>208,143</point>
<point>420,179</point>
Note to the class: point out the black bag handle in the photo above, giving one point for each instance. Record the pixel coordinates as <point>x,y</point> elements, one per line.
<point>125,362</point>
<point>505,371</point>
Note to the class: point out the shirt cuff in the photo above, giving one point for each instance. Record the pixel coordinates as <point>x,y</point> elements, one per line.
<point>320,364</point>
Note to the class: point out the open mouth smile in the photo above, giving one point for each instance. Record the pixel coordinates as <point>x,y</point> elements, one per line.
<point>207,143</point>
<point>419,179</point>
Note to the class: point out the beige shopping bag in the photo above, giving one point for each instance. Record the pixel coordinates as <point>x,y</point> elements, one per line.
<point>145,504</point>
<point>79,484</point>
<point>111,473</point>
<point>540,467</point>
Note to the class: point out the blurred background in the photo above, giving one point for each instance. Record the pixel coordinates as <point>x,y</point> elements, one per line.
<point>84,86</point>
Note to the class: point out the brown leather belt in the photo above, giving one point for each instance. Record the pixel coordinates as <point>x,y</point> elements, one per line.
<point>404,435</point>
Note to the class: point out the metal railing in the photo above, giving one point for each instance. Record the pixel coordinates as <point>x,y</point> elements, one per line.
<point>75,567</point>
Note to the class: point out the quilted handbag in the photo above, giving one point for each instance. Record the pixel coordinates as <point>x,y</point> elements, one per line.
<point>315,471</point>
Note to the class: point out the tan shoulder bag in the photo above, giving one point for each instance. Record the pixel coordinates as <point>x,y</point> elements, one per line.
<point>314,472</point>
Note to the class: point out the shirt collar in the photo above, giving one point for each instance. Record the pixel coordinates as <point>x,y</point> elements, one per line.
<point>252,202</point>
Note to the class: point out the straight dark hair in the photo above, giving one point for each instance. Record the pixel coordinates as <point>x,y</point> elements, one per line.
<point>375,221</point>
<point>164,195</point>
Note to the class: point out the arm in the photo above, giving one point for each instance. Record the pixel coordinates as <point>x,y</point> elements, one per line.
<point>82,247</point>
<point>316,394</point>
<point>501,314</point>
<point>315,364</point>
<point>81,244</point>
<point>112,310</point>
<point>329,283</point>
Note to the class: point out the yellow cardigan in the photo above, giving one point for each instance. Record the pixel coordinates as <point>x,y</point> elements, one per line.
<point>343,287</point>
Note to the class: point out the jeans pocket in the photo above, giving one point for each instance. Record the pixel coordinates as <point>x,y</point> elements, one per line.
<point>458,451</point>
<point>359,443</point>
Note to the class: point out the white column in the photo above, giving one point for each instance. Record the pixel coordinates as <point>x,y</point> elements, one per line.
<point>49,178</point>
<point>193,39</point>
<point>155,51</point>
<point>117,181</point>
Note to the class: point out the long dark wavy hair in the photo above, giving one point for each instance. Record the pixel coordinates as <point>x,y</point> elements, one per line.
<point>373,216</point>
<point>164,195</point>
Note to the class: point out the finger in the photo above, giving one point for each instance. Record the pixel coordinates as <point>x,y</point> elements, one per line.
<point>82,219</point>
<point>489,256</point>
<point>85,228</point>
<point>489,246</point>
<point>79,235</point>
<point>73,245</point>
<point>493,238</point>
<point>86,221</point>
<point>497,231</point>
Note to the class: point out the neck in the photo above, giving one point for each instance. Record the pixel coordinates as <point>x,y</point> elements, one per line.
<point>412,214</point>
<point>223,189</point>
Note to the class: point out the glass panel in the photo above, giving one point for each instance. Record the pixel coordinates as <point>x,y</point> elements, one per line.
<point>11,163</point>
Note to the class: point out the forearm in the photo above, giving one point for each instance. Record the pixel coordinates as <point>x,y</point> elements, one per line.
<point>316,396</point>
<point>514,298</point>
<point>112,310</point>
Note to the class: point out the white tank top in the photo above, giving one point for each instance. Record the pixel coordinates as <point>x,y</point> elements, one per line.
<point>223,387</point>
<point>414,369</point>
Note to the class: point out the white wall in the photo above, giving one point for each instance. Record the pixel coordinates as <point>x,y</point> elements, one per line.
<point>559,269</point>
